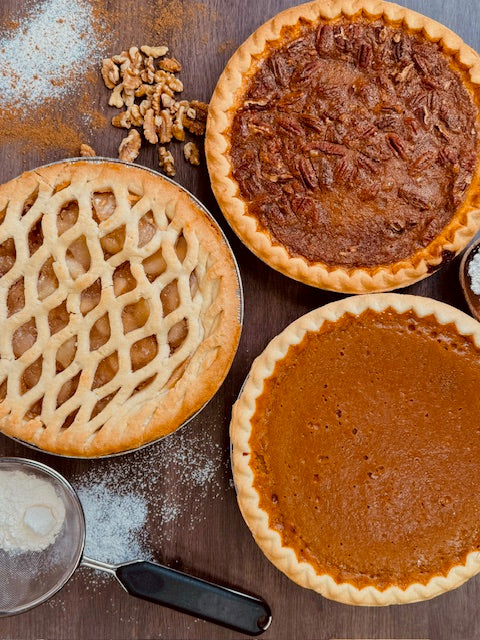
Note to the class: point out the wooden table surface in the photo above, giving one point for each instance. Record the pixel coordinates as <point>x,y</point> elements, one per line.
<point>203,531</point>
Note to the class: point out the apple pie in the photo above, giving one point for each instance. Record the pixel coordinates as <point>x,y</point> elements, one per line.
<point>120,305</point>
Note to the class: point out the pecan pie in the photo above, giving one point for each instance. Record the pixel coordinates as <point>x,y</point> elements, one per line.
<point>358,474</point>
<point>342,144</point>
<point>120,307</point>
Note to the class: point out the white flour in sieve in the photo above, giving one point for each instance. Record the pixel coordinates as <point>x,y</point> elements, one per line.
<point>31,513</point>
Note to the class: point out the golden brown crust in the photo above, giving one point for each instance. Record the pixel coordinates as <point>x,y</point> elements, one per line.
<point>133,417</point>
<point>455,236</point>
<point>269,540</point>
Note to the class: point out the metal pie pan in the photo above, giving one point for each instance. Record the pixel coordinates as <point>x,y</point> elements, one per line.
<point>101,160</point>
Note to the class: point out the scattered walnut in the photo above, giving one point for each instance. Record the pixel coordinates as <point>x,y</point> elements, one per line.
<point>120,58</point>
<point>130,146</point>
<point>175,106</point>
<point>157,99</point>
<point>170,64</point>
<point>167,101</point>
<point>148,72</point>
<point>144,106</point>
<point>136,117</point>
<point>129,98</point>
<point>136,58</point>
<point>131,80</point>
<point>174,84</point>
<point>86,151</point>
<point>149,128</point>
<point>197,123</point>
<point>160,76</point>
<point>110,73</point>
<point>125,64</point>
<point>166,161</point>
<point>191,153</point>
<point>178,129</point>
<point>164,126</point>
<point>146,89</point>
<point>154,52</point>
<point>122,120</point>
<point>116,99</point>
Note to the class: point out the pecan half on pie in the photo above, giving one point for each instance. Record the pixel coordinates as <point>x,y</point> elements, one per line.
<point>119,308</point>
<point>358,474</point>
<point>342,144</point>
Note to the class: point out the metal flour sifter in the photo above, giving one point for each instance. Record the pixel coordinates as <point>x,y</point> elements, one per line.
<point>28,579</point>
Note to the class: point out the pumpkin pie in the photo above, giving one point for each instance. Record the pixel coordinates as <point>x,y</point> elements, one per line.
<point>356,449</point>
<point>342,144</point>
<point>120,307</point>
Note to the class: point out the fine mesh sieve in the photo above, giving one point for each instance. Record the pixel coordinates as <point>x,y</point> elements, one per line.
<point>28,579</point>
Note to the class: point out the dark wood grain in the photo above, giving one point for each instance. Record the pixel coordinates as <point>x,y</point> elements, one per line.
<point>219,546</point>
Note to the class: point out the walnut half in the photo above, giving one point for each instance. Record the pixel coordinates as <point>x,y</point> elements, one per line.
<point>166,161</point>
<point>130,146</point>
<point>86,151</point>
<point>191,153</point>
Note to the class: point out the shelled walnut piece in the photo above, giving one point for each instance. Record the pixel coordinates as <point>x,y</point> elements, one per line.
<point>143,82</point>
<point>130,146</point>
<point>86,151</point>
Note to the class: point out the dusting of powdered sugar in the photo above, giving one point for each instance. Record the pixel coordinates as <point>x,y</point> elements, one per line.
<point>132,502</point>
<point>114,523</point>
<point>48,49</point>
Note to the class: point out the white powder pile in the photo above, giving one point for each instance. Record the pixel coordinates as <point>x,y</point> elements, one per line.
<point>114,523</point>
<point>31,513</point>
<point>474,273</point>
<point>49,48</point>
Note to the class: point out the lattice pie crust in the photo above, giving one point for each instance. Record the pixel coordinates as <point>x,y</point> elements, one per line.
<point>119,308</point>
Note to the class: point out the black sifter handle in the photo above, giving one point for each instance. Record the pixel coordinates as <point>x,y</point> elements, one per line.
<point>194,596</point>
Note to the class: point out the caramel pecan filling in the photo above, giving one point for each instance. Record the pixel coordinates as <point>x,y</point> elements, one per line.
<point>355,142</point>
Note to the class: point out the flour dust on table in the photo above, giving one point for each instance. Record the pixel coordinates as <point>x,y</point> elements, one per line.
<point>119,503</point>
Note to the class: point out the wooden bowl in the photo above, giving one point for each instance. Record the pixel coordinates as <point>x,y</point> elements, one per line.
<point>473,300</point>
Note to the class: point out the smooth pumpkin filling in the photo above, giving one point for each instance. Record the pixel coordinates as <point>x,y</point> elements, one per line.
<point>366,449</point>
<point>354,142</point>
